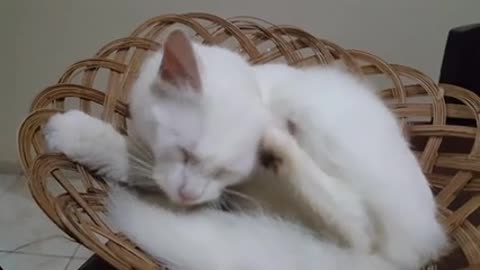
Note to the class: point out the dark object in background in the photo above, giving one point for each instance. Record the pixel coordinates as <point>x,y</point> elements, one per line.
<point>462,57</point>
<point>461,62</point>
<point>96,263</point>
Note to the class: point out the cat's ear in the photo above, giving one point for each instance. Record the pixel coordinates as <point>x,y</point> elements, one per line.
<point>179,65</point>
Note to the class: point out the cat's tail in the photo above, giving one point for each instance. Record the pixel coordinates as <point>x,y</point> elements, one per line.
<point>150,227</point>
<point>210,239</point>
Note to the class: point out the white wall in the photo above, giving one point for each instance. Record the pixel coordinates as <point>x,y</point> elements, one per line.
<point>43,37</point>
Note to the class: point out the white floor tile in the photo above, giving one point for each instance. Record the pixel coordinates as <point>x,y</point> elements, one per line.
<point>75,264</point>
<point>6,182</point>
<point>83,253</point>
<point>12,261</point>
<point>57,245</point>
<point>23,222</point>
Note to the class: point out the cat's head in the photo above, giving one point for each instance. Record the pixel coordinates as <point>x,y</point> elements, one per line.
<point>199,110</point>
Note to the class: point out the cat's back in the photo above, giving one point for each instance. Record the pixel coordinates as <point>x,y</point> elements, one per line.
<point>327,95</point>
<point>341,122</point>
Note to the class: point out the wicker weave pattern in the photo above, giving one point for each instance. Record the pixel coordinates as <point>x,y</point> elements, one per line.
<point>72,197</point>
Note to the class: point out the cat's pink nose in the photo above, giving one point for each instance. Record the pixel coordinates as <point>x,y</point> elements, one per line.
<point>187,195</point>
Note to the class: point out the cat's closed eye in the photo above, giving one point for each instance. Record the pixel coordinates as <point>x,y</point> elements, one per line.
<point>188,157</point>
<point>220,173</point>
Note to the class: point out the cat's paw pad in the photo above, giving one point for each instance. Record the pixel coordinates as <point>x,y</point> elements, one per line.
<point>64,131</point>
<point>270,161</point>
<point>273,149</point>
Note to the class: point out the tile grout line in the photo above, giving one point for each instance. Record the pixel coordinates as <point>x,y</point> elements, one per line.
<point>22,246</point>
<point>54,236</point>
<point>71,257</point>
<point>8,252</point>
<point>4,253</point>
<point>18,179</point>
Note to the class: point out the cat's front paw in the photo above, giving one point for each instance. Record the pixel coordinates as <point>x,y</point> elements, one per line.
<point>67,132</point>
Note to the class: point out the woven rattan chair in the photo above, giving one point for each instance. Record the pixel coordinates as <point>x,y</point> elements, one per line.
<point>73,198</point>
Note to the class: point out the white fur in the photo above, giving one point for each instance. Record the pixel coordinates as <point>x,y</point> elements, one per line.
<point>340,207</point>
<point>209,239</point>
<point>354,138</point>
<point>227,114</point>
<point>89,141</point>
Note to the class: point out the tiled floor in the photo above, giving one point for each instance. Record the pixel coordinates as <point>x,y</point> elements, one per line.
<point>28,239</point>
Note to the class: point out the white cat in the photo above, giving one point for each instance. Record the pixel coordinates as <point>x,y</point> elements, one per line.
<point>200,111</point>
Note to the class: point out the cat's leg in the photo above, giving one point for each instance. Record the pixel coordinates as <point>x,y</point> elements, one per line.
<point>332,199</point>
<point>216,240</point>
<point>90,142</point>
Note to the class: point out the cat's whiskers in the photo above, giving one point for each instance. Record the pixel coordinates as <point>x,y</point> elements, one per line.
<point>146,162</point>
<point>231,206</point>
<point>138,161</point>
<point>139,169</point>
<point>139,149</point>
<point>222,204</point>
<point>243,197</point>
<point>215,205</point>
<point>138,144</point>
<point>140,164</point>
<point>140,173</point>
